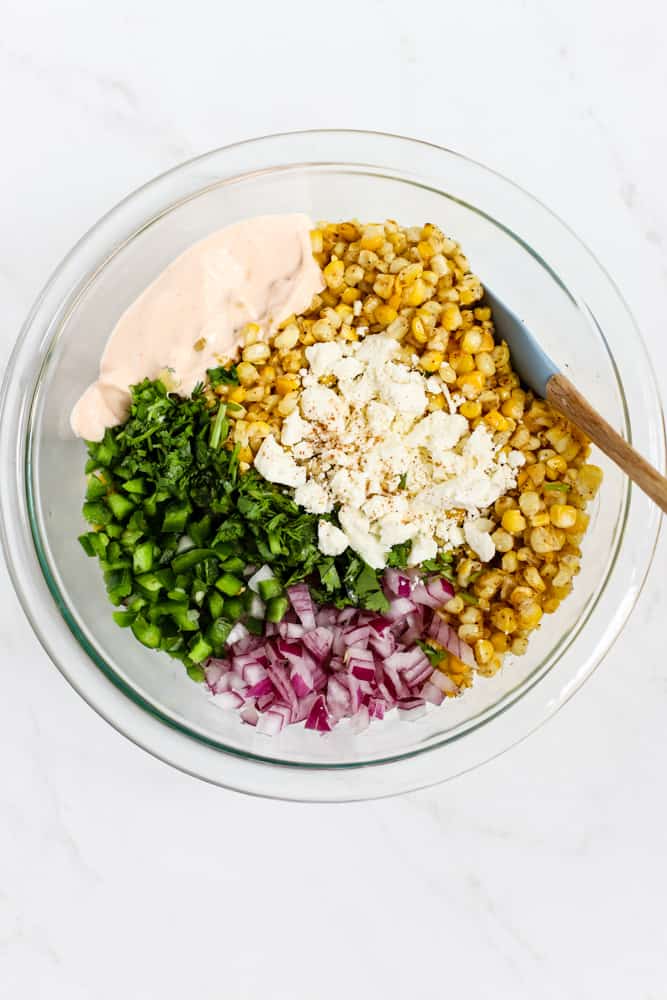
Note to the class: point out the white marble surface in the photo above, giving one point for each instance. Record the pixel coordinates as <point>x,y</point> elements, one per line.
<point>544,873</point>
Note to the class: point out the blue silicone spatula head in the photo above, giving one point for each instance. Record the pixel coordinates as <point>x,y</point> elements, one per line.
<point>533,366</point>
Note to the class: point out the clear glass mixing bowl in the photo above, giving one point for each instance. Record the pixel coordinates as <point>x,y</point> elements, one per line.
<point>531,259</point>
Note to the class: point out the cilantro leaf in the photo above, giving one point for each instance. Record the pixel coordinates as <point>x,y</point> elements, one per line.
<point>223,376</point>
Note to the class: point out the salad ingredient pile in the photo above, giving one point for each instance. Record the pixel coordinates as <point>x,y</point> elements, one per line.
<point>358,507</point>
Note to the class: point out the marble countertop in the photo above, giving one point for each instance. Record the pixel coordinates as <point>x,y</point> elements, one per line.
<point>542,874</point>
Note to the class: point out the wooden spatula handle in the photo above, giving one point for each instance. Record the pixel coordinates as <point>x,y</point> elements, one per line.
<point>563,395</point>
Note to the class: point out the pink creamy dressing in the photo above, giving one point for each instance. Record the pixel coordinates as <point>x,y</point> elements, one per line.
<point>257,271</point>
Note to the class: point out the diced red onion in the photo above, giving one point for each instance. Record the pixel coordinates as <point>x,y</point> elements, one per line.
<point>249,714</point>
<point>440,589</point>
<point>383,645</point>
<point>261,687</point>
<point>283,686</point>
<point>319,642</point>
<point>397,583</point>
<point>432,694</point>
<point>346,615</point>
<point>412,708</point>
<point>318,717</point>
<point>376,708</point>
<point>305,705</point>
<point>360,721</point>
<point>237,634</point>
<point>356,636</point>
<point>265,701</point>
<point>399,608</point>
<point>364,671</point>
<point>421,595</point>
<point>253,673</point>
<point>447,637</point>
<point>320,665</point>
<point>228,699</point>
<point>327,616</point>
<point>270,723</point>
<point>213,671</point>
<point>302,602</point>
<point>302,680</point>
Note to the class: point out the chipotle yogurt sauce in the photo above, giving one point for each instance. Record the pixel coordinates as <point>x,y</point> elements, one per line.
<point>260,271</point>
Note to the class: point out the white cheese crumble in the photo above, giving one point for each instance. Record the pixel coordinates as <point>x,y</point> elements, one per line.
<point>331,540</point>
<point>364,445</point>
<point>277,465</point>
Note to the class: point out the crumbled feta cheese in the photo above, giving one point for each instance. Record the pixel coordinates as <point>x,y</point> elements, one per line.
<point>357,530</point>
<point>323,406</point>
<point>322,357</point>
<point>375,351</point>
<point>393,471</point>
<point>394,532</point>
<point>479,447</point>
<point>423,548</point>
<point>294,429</point>
<point>516,459</point>
<point>478,538</point>
<point>303,451</point>
<point>405,397</point>
<point>357,391</point>
<point>380,416</point>
<point>348,487</point>
<point>313,498</point>
<point>347,368</point>
<point>277,466</point>
<point>438,432</point>
<point>331,541</point>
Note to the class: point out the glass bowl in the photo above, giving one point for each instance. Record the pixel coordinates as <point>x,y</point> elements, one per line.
<point>531,259</point>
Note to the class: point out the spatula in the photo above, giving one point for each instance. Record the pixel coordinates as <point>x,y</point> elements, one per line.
<point>540,373</point>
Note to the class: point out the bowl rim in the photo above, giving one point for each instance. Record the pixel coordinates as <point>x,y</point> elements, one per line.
<point>13,439</point>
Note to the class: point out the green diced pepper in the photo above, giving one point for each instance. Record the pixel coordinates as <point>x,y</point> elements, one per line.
<point>137,485</point>
<point>149,582</point>
<point>216,603</point>
<point>187,620</point>
<point>97,512</point>
<point>199,649</point>
<point>234,565</point>
<point>176,517</point>
<point>142,559</point>
<point>124,618</point>
<point>146,632</point>
<point>269,588</point>
<point>121,506</point>
<point>276,609</point>
<point>233,608</point>
<point>190,558</point>
<point>119,584</point>
<point>94,543</point>
<point>96,488</point>
<point>217,633</point>
<point>229,585</point>
<point>201,531</point>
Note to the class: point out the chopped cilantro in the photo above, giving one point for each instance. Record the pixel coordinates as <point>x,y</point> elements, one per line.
<point>222,376</point>
<point>435,656</point>
<point>168,473</point>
